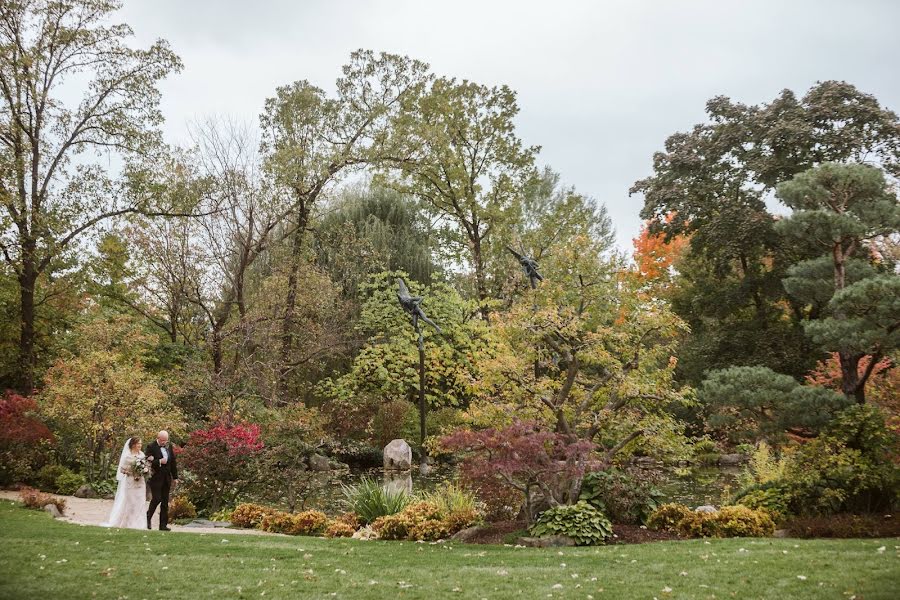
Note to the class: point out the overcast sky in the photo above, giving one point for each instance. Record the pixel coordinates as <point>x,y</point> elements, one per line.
<point>600,84</point>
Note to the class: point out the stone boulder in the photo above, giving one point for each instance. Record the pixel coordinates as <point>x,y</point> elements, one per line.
<point>54,512</point>
<point>467,534</point>
<point>706,508</point>
<point>397,456</point>
<point>547,541</point>
<point>85,491</point>
<point>317,462</point>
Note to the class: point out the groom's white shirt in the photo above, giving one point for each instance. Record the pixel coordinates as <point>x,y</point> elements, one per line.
<point>164,453</point>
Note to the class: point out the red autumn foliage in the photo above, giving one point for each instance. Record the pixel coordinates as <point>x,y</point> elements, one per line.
<point>232,440</point>
<point>17,423</point>
<point>523,458</point>
<point>221,460</point>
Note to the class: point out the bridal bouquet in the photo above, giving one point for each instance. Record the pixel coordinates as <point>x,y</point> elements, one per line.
<point>140,468</point>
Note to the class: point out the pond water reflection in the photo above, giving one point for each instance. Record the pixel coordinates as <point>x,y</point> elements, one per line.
<point>691,486</point>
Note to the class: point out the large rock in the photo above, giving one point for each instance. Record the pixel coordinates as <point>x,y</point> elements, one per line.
<point>85,491</point>
<point>397,456</point>
<point>466,535</point>
<point>317,462</point>
<point>54,512</point>
<point>706,508</point>
<point>547,541</point>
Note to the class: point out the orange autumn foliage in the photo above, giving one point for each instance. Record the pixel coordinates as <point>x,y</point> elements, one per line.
<point>653,255</point>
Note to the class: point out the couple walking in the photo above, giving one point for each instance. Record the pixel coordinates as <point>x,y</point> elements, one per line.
<point>130,506</point>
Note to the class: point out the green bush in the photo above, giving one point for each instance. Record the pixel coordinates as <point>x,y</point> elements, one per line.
<point>772,498</point>
<point>580,521</point>
<point>370,500</point>
<point>68,483</point>
<point>667,517</point>
<point>48,474</point>
<point>105,488</point>
<point>623,497</point>
<point>847,469</point>
<point>706,452</point>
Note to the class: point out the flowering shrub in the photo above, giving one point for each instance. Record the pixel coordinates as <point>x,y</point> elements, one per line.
<point>580,521</point>
<point>221,459</point>
<point>32,498</point>
<point>181,508</point>
<point>523,457</point>
<point>250,516</point>
<point>309,522</point>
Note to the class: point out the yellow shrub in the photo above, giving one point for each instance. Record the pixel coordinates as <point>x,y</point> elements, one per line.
<point>181,508</point>
<point>250,516</point>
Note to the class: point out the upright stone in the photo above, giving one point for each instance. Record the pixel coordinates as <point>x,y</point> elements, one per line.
<point>397,456</point>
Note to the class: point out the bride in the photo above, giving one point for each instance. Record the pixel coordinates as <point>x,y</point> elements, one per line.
<point>130,507</point>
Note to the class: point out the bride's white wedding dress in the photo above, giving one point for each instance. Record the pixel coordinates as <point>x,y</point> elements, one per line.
<point>130,507</point>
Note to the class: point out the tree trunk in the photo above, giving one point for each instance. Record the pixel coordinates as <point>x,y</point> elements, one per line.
<point>27,281</point>
<point>480,282</point>
<point>287,327</point>
<point>851,384</point>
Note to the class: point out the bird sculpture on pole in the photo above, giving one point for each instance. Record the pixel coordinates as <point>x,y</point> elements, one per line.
<point>529,265</point>
<point>412,305</point>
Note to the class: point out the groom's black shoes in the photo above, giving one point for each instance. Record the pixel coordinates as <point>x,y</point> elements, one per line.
<point>164,529</point>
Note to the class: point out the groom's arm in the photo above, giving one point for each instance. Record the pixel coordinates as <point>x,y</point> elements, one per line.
<point>173,464</point>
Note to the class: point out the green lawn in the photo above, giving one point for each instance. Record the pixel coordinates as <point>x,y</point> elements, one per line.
<point>43,558</point>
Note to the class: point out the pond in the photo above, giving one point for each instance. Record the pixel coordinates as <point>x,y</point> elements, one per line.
<point>690,486</point>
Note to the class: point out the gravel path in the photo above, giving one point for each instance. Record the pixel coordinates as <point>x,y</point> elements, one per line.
<point>86,511</point>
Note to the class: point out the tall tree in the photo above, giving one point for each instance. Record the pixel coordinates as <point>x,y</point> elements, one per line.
<point>462,157</point>
<point>838,210</point>
<point>310,140</point>
<point>712,182</point>
<point>50,195</point>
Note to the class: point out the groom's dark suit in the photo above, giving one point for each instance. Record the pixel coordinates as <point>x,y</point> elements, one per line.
<point>160,482</point>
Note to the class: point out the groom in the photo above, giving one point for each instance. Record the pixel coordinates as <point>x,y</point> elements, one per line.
<point>164,474</point>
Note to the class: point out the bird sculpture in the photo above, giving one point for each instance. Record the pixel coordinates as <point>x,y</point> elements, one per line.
<point>412,305</point>
<point>529,265</point>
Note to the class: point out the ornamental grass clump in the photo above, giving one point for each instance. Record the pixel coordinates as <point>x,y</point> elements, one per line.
<point>370,500</point>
